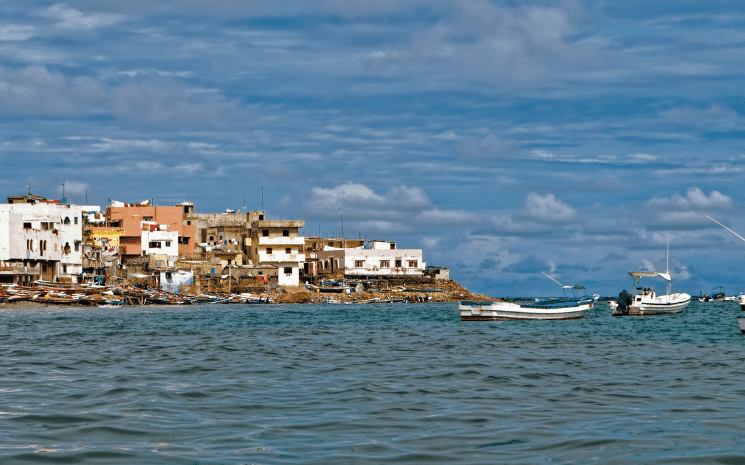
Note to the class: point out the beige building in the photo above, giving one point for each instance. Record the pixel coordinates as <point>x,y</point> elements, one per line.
<point>278,243</point>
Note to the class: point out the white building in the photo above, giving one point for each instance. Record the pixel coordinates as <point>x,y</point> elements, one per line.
<point>376,258</point>
<point>278,243</point>
<point>157,240</point>
<point>41,240</point>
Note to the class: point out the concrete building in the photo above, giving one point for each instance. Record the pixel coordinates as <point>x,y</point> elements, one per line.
<point>129,218</point>
<point>278,243</point>
<point>40,240</point>
<point>374,259</point>
<point>156,239</point>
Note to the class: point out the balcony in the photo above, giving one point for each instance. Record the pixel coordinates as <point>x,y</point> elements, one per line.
<point>282,258</point>
<point>281,241</point>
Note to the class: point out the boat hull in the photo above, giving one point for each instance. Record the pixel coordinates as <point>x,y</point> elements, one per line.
<point>741,321</point>
<point>489,311</point>
<point>676,304</point>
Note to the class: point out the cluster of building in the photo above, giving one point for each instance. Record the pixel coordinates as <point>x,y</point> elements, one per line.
<point>167,246</point>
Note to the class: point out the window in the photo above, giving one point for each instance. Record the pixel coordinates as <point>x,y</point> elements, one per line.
<point>67,220</point>
<point>359,263</point>
<point>67,248</point>
<point>188,223</point>
<point>288,251</point>
<point>398,263</point>
<point>212,238</point>
<point>77,245</point>
<point>186,239</point>
<point>147,218</point>
<point>168,243</point>
<point>26,225</point>
<point>288,270</point>
<point>385,263</point>
<point>413,263</point>
<point>286,232</point>
<point>261,273</point>
<point>269,250</point>
<point>76,220</point>
<point>265,232</point>
<point>261,217</point>
<point>154,245</point>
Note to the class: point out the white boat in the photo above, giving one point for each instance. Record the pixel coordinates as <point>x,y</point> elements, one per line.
<point>559,308</point>
<point>645,301</point>
<point>741,300</point>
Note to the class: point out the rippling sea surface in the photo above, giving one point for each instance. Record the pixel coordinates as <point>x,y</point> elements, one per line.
<point>291,384</point>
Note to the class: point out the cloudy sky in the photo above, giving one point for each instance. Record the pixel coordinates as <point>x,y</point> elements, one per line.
<point>503,138</point>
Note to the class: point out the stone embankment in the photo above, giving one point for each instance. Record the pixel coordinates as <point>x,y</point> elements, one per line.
<point>441,291</point>
<point>51,294</point>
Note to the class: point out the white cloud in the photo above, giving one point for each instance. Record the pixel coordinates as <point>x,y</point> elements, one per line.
<point>715,117</point>
<point>547,209</point>
<point>14,33</point>
<point>695,199</point>
<point>450,217</point>
<point>70,18</point>
<point>168,102</point>
<point>360,197</point>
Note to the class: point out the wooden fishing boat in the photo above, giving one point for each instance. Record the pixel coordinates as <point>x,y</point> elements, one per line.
<point>559,308</point>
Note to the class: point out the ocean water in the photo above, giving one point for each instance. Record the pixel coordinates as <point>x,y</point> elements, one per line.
<point>393,384</point>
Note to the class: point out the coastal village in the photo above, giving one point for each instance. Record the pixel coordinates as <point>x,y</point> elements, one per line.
<point>53,252</point>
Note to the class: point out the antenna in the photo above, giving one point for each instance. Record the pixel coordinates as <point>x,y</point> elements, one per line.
<point>717,222</point>
<point>552,279</point>
<point>668,283</point>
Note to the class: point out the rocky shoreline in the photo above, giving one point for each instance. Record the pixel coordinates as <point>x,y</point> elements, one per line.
<point>55,295</point>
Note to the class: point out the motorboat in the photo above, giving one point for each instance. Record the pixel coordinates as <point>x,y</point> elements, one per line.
<point>717,295</point>
<point>646,301</point>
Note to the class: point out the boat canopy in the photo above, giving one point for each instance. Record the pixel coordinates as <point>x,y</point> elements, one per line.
<point>649,274</point>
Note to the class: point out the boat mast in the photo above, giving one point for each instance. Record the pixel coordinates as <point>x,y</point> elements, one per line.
<point>667,270</point>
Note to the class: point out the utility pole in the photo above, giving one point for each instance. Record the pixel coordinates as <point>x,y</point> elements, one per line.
<point>262,197</point>
<point>341,215</point>
<point>63,188</point>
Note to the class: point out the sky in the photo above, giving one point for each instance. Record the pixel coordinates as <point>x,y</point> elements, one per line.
<point>503,138</point>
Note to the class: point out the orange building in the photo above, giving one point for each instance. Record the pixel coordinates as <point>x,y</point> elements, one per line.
<point>130,217</point>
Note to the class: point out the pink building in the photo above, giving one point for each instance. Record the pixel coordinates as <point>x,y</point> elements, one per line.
<point>130,218</point>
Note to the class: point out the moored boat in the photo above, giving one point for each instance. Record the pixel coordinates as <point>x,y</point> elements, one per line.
<point>559,308</point>
<point>646,301</point>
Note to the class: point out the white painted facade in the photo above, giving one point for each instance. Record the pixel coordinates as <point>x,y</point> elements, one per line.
<point>51,233</point>
<point>172,279</point>
<point>379,258</point>
<point>160,241</point>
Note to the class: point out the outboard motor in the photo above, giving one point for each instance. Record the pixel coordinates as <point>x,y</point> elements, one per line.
<point>624,301</point>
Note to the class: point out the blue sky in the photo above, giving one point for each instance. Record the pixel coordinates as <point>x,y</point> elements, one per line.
<point>502,138</point>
